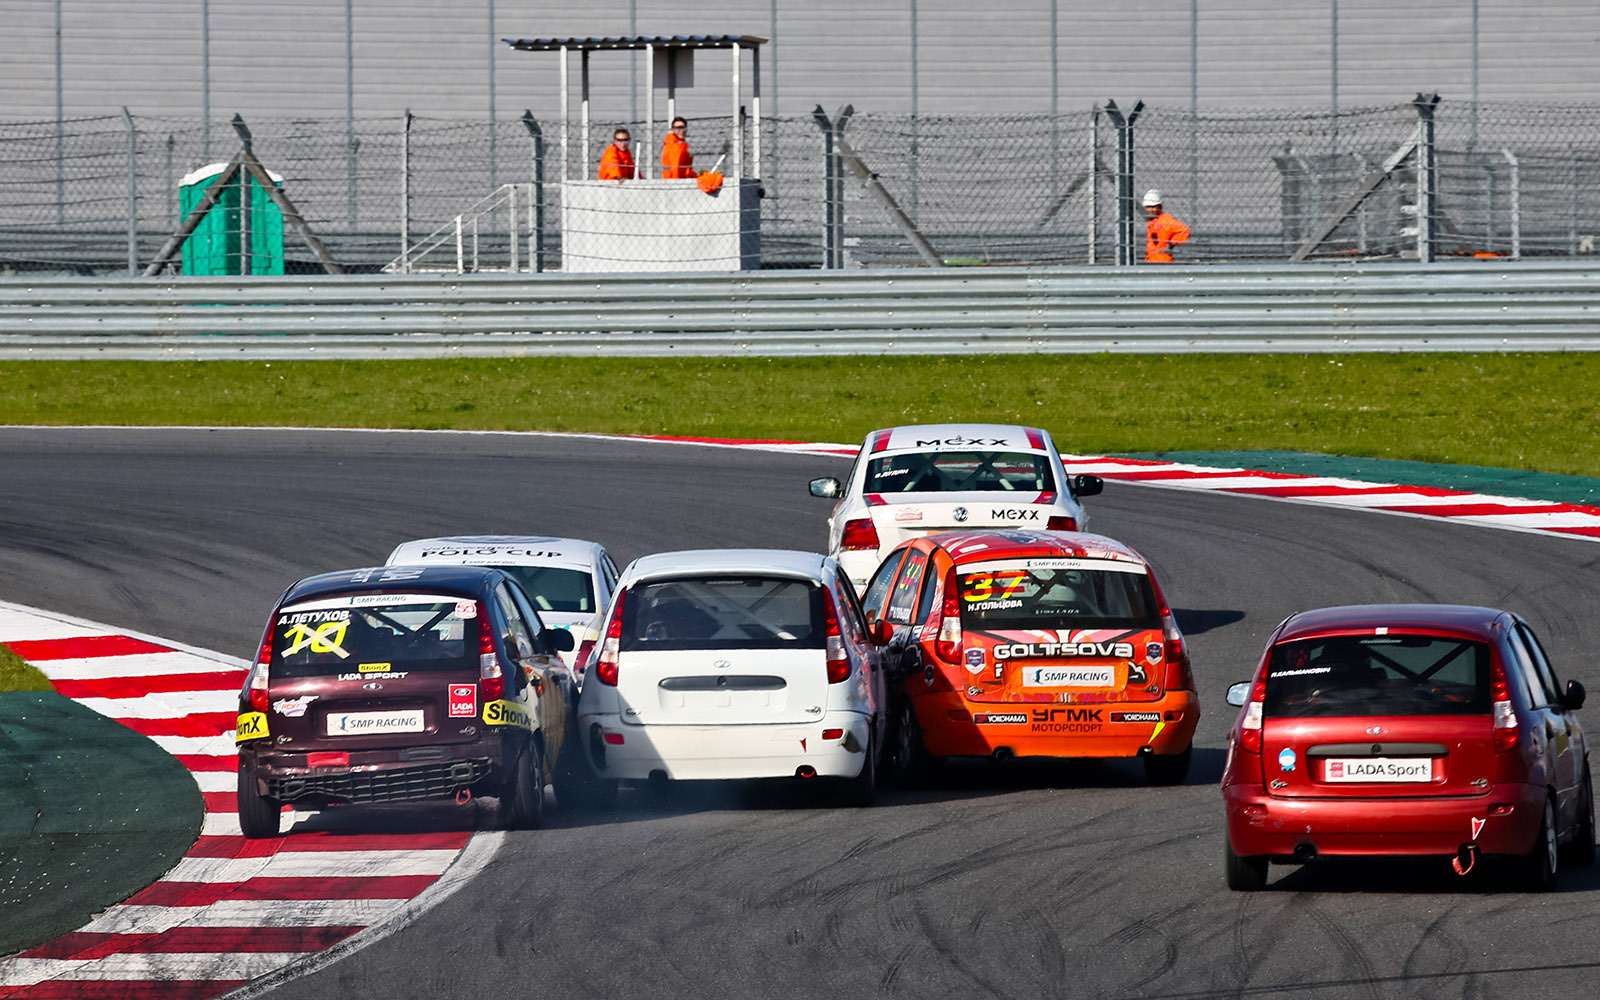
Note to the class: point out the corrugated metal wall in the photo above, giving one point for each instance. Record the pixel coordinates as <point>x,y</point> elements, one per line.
<point>287,57</point>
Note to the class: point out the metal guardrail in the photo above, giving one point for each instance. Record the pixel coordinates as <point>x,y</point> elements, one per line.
<point>1468,306</point>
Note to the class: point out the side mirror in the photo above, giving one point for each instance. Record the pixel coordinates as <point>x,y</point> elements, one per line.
<point>561,641</point>
<point>1575,696</point>
<point>827,487</point>
<point>880,632</point>
<point>1238,694</point>
<point>1088,486</point>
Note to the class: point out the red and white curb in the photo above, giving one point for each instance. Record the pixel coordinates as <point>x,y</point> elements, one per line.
<point>232,910</point>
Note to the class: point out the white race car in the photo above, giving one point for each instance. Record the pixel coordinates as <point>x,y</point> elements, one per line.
<point>569,580</point>
<point>910,481</point>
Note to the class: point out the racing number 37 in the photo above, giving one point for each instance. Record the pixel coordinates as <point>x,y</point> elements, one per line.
<point>980,586</point>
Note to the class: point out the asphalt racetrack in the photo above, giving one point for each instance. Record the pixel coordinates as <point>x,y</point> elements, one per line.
<point>1020,881</point>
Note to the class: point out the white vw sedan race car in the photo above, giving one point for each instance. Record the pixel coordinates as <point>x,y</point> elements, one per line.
<point>910,481</point>
<point>569,580</point>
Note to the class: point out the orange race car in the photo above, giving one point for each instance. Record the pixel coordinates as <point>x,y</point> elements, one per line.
<point>1006,643</point>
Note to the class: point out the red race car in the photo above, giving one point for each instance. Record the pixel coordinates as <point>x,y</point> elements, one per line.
<point>1413,729</point>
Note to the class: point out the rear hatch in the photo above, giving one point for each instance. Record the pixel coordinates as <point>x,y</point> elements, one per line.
<point>1060,630</point>
<point>1378,716</point>
<point>917,493</point>
<point>374,671</point>
<point>722,650</point>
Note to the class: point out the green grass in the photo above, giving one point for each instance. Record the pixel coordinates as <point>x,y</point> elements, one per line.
<point>15,675</point>
<point>1519,411</point>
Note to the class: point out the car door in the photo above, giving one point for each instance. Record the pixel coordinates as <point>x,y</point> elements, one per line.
<point>1566,750</point>
<point>861,638</point>
<point>1547,728</point>
<point>541,669</point>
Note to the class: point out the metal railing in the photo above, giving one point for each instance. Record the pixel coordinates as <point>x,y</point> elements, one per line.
<point>1484,305</point>
<point>466,235</point>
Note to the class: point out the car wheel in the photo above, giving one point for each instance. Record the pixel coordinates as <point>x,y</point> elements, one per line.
<point>522,801</point>
<point>912,764</point>
<point>1168,769</point>
<point>1542,865</point>
<point>862,790</point>
<point>1244,874</point>
<point>259,816</point>
<point>1581,851</point>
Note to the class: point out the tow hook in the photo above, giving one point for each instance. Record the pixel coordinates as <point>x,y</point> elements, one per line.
<point>464,796</point>
<point>1464,861</point>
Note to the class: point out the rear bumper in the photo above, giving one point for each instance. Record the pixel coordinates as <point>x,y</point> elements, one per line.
<point>699,753</point>
<point>1261,824</point>
<point>955,727</point>
<point>368,778</point>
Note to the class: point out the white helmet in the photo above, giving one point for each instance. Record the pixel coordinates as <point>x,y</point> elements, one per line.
<point>1152,198</point>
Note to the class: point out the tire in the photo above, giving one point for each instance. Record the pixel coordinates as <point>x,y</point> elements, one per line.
<point>1580,852</point>
<point>862,790</point>
<point>1244,874</point>
<point>910,765</point>
<point>1541,867</point>
<point>259,816</point>
<point>1168,769</point>
<point>522,801</point>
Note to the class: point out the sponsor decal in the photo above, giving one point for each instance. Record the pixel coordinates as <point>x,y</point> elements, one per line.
<point>463,701</point>
<point>382,574</point>
<point>906,514</point>
<point>506,713</point>
<point>1136,717</point>
<point>1153,651</point>
<point>1066,721</point>
<point>974,692</point>
<point>489,550</point>
<point>1477,827</point>
<point>1286,759</point>
<point>312,617</point>
<point>1068,676</point>
<point>1044,650</point>
<point>372,686</point>
<point>324,637</point>
<point>362,723</point>
<point>1136,674</point>
<point>293,708</point>
<point>251,726</point>
<point>396,676</point>
<point>1013,514</point>
<point>373,668</point>
<point>1380,769</point>
<point>466,609</point>
<point>1301,672</point>
<point>961,442</point>
<point>975,661</point>
<point>1001,719</point>
<point>959,515</point>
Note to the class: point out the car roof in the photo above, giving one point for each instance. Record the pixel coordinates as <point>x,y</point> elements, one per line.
<point>1461,618</point>
<point>454,580</point>
<point>953,437</point>
<point>1008,543</point>
<point>762,562</point>
<point>499,550</point>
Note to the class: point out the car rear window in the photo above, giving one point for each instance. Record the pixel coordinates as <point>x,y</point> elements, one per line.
<point>375,634</point>
<point>552,588</point>
<point>1057,593</point>
<point>1378,675</point>
<point>743,612</point>
<point>957,471</point>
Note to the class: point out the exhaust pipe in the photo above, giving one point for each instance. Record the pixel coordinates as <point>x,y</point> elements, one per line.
<point>1305,852</point>
<point>1465,860</point>
<point>1003,754</point>
<point>464,796</point>
<point>805,771</point>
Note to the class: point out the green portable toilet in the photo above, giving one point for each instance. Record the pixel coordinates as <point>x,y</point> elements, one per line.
<point>213,248</point>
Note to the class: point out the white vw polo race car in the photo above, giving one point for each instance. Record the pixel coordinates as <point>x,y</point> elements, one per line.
<point>910,481</point>
<point>569,580</point>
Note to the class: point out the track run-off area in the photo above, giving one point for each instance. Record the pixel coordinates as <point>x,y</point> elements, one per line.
<point>1069,880</point>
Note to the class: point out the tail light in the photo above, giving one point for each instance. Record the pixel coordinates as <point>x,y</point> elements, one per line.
<point>1174,652</point>
<point>860,534</point>
<point>1061,522</point>
<point>491,680</point>
<point>584,649</point>
<point>1505,719</point>
<point>838,660</point>
<point>948,644</point>
<point>606,668</point>
<point>258,673</point>
<point>1250,725</point>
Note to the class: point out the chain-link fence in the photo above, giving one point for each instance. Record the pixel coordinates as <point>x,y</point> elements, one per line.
<point>837,189</point>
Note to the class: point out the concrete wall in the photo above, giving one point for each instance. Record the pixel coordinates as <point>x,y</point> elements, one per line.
<point>288,57</point>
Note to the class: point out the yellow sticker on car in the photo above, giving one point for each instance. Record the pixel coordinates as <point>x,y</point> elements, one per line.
<point>507,713</point>
<point>252,726</point>
<point>374,668</point>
